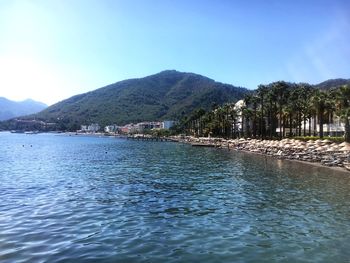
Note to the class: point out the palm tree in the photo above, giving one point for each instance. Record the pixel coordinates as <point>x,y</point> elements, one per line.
<point>298,101</point>
<point>262,92</point>
<point>272,111</point>
<point>255,101</point>
<point>343,108</point>
<point>247,114</point>
<point>320,102</point>
<point>330,108</point>
<point>231,120</point>
<point>194,122</point>
<point>305,97</point>
<point>280,91</point>
<point>227,120</point>
<point>219,121</point>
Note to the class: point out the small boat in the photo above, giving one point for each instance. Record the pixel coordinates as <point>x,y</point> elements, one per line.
<point>31,132</point>
<point>17,131</point>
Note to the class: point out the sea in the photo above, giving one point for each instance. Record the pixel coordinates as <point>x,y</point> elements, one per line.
<point>105,199</point>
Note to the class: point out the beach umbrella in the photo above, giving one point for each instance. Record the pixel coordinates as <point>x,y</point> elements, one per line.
<point>301,147</point>
<point>298,142</point>
<point>320,144</point>
<point>293,145</point>
<point>274,144</point>
<point>345,148</point>
<point>332,149</point>
<point>267,144</point>
<point>320,149</point>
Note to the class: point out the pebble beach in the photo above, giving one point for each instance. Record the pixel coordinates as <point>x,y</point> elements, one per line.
<point>324,152</point>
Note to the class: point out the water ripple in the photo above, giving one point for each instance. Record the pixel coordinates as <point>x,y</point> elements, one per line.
<point>108,200</point>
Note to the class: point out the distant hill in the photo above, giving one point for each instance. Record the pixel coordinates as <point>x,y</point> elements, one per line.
<point>167,95</point>
<point>11,109</point>
<point>332,83</point>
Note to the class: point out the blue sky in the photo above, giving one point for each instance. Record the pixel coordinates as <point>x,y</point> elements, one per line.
<point>51,50</point>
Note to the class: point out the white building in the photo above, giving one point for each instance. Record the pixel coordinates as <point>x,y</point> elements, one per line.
<point>111,128</point>
<point>336,128</point>
<point>84,128</point>
<point>238,108</point>
<point>142,126</point>
<point>93,127</point>
<point>168,124</point>
<point>145,126</point>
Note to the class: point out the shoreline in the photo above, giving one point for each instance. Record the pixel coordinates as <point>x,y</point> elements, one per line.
<point>315,164</point>
<point>319,153</point>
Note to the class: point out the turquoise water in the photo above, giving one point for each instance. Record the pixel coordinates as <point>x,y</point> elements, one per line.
<point>86,199</point>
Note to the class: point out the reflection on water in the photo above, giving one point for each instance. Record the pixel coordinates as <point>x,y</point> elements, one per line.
<point>111,200</point>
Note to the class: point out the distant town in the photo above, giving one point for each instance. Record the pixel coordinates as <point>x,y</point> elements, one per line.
<point>131,128</point>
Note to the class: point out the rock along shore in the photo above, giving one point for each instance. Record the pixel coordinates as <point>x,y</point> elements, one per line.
<point>324,152</point>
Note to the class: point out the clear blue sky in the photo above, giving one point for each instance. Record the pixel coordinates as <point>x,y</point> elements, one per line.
<point>51,50</point>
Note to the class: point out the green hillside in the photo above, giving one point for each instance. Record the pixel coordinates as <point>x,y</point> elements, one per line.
<point>332,83</point>
<point>166,95</point>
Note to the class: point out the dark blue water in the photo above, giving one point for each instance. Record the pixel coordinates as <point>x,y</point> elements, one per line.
<point>85,199</point>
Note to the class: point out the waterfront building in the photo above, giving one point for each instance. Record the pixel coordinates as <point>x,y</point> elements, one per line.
<point>93,127</point>
<point>239,123</point>
<point>129,128</point>
<point>111,128</point>
<point>142,126</point>
<point>168,124</point>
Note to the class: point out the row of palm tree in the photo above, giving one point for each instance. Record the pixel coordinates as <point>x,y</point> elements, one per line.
<point>277,110</point>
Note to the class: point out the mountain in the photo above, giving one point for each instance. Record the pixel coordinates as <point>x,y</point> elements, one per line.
<point>167,95</point>
<point>11,109</point>
<point>332,83</point>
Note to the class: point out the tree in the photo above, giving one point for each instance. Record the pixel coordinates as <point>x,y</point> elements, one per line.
<point>343,108</point>
<point>262,92</point>
<point>279,89</point>
<point>233,117</point>
<point>272,111</point>
<point>321,102</point>
<point>305,96</point>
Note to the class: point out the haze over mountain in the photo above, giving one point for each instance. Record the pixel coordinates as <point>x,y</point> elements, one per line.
<point>11,109</point>
<point>332,83</point>
<point>167,95</point>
